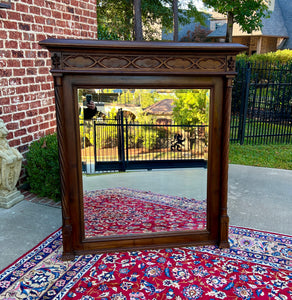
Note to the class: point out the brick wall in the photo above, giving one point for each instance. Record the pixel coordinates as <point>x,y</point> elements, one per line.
<point>26,86</point>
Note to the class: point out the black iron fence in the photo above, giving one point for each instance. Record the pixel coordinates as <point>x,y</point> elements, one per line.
<point>262,104</point>
<point>121,145</point>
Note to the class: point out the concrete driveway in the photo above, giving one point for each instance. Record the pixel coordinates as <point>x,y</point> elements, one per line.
<point>258,198</point>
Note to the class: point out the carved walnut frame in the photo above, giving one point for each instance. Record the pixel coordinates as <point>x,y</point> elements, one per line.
<point>93,64</point>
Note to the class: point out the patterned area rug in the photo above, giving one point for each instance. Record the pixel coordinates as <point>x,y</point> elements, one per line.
<point>257,266</point>
<point>126,211</point>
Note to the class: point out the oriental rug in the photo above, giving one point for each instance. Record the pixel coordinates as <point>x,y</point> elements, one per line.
<point>257,266</point>
<point>127,211</point>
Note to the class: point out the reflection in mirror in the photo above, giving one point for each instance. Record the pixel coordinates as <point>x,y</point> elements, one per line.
<point>144,160</point>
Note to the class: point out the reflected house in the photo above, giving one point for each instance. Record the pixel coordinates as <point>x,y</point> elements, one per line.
<point>162,111</point>
<point>275,34</point>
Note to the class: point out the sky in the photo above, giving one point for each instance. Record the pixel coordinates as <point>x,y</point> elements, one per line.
<point>197,3</point>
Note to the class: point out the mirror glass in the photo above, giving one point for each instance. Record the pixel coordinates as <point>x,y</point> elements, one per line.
<point>144,160</point>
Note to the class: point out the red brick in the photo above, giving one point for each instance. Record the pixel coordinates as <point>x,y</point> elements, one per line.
<point>25,122</point>
<point>10,25</point>
<point>3,63</point>
<point>34,10</point>
<point>40,3</point>
<point>13,63</point>
<point>40,20</point>
<point>44,126</point>
<point>9,135</point>
<point>24,26</point>
<point>6,118</point>
<point>28,80</point>
<point>48,29</point>
<point>13,15</point>
<point>34,88</point>
<point>46,12</point>
<point>12,126</point>
<point>51,22</point>
<point>86,13</point>
<point>18,116</point>
<point>30,97</point>
<point>22,90</point>
<point>44,70</point>
<point>3,13</point>
<point>23,106</point>
<point>3,34</point>
<point>35,104</point>
<point>24,45</point>
<point>20,132</point>
<point>11,44</point>
<point>5,73</point>
<point>61,24</point>
<point>8,91</point>
<point>27,18</point>
<point>60,7</point>
<point>18,72</point>
<point>43,110</point>
<point>46,86</point>
<point>28,36</point>
<point>15,81</point>
<point>5,53</point>
<point>50,130</point>
<point>37,28</point>
<point>40,79</point>
<point>3,82</point>
<point>31,71</point>
<point>43,54</point>
<point>9,109</point>
<point>27,63</point>
<point>17,53</point>
<point>75,18</point>
<point>22,7</point>
<point>30,54</point>
<point>27,139</point>
<point>56,14</point>
<point>75,3</point>
<point>51,5</point>
<point>17,99</point>
<point>33,128</point>
<point>14,143</point>
<point>42,36</point>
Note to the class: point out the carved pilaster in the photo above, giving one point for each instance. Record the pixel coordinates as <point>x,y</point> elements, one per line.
<point>67,225</point>
<point>224,219</point>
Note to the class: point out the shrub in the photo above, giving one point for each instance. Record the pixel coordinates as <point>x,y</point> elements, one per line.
<point>278,57</point>
<point>43,167</point>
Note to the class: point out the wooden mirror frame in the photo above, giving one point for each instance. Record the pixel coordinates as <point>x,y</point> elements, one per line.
<point>94,64</point>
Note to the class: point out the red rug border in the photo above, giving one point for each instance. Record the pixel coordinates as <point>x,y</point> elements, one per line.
<point>233,226</point>
<point>26,253</point>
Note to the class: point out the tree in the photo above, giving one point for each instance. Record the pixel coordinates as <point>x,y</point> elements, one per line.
<point>248,14</point>
<point>138,33</point>
<point>115,17</point>
<point>199,35</point>
<point>191,107</point>
<point>175,20</point>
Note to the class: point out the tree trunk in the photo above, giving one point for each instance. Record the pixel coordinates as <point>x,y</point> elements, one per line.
<point>138,33</point>
<point>175,20</point>
<point>229,29</point>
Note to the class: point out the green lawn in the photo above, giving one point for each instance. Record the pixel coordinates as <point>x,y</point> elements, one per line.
<point>270,156</point>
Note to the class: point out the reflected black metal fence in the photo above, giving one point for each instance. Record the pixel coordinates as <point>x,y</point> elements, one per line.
<point>121,145</point>
<point>262,104</point>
